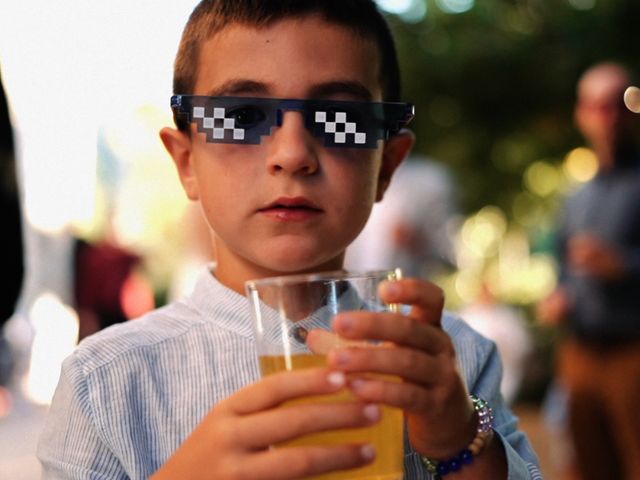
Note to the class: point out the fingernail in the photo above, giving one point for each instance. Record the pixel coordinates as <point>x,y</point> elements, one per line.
<point>372,412</point>
<point>368,452</point>
<point>337,379</point>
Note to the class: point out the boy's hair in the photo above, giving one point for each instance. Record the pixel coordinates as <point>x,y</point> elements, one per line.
<point>210,16</point>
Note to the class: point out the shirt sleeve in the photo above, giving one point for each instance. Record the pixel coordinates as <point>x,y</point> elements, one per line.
<point>482,369</point>
<point>71,447</point>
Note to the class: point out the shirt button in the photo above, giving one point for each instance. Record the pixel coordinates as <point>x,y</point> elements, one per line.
<point>300,334</point>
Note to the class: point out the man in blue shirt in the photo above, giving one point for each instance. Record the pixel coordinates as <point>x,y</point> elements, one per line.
<point>597,298</point>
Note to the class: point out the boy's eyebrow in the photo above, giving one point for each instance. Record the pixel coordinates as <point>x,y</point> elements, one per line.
<point>350,88</point>
<point>238,87</point>
<point>323,90</point>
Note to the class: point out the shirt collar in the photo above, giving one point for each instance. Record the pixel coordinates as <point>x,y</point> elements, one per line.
<point>221,305</point>
<point>232,311</point>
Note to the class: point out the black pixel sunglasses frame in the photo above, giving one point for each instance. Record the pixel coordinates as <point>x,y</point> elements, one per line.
<point>245,120</point>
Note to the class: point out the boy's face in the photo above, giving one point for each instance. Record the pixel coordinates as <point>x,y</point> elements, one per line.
<point>290,204</point>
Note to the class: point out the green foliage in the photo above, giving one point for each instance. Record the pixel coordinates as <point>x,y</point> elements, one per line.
<point>494,87</point>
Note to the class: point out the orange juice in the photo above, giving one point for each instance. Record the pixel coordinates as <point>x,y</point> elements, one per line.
<point>386,436</point>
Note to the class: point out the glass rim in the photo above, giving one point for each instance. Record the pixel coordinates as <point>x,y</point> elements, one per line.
<point>283,280</point>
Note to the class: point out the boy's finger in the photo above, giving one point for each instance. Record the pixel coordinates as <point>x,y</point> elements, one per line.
<point>406,396</point>
<point>292,422</point>
<point>406,363</point>
<point>302,462</point>
<point>426,299</point>
<point>280,387</point>
<point>322,341</point>
<point>391,327</point>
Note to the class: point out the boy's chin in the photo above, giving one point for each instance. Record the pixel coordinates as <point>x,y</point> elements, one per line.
<point>293,264</point>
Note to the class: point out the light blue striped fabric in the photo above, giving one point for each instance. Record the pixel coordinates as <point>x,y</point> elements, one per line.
<point>131,394</point>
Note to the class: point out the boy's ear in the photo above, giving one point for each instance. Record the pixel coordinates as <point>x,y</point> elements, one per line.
<point>396,149</point>
<point>178,144</point>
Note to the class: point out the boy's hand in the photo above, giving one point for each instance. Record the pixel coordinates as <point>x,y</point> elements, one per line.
<point>233,441</point>
<point>432,393</point>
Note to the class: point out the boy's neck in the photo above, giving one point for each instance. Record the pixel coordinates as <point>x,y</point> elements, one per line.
<point>233,274</point>
<point>233,271</point>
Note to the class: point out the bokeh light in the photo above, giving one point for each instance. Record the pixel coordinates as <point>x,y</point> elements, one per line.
<point>411,11</point>
<point>582,4</point>
<point>481,233</point>
<point>527,210</point>
<point>395,6</point>
<point>455,6</point>
<point>580,164</point>
<point>542,178</point>
<point>55,327</point>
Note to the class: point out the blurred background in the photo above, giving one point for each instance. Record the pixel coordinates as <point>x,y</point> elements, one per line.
<point>107,233</point>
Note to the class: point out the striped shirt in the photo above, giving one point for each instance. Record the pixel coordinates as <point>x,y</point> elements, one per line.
<point>130,395</point>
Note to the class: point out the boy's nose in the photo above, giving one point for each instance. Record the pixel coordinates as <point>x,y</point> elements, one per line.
<point>292,148</point>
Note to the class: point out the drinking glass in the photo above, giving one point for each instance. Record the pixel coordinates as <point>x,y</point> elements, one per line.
<point>292,324</point>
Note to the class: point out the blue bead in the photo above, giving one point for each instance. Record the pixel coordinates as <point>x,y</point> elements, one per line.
<point>443,468</point>
<point>466,457</point>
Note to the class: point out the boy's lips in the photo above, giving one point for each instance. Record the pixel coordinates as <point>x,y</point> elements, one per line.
<point>293,209</point>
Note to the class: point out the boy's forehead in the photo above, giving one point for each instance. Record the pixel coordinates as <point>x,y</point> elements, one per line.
<point>291,58</point>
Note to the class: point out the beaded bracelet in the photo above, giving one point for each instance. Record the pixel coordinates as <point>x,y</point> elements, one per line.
<point>484,433</point>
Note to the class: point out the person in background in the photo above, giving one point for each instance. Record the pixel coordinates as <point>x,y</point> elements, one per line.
<point>596,301</point>
<point>108,288</point>
<point>412,227</point>
<point>507,326</point>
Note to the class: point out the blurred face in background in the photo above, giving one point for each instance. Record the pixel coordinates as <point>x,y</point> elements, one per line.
<point>600,112</point>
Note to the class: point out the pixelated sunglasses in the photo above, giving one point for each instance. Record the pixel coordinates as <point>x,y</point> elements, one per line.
<point>245,120</point>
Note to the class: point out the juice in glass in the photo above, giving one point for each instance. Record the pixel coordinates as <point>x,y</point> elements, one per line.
<point>386,436</point>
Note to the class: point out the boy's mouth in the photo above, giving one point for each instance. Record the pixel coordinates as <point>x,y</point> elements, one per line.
<point>291,209</point>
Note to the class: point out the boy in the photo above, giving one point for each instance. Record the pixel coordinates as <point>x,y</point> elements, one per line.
<point>177,395</point>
